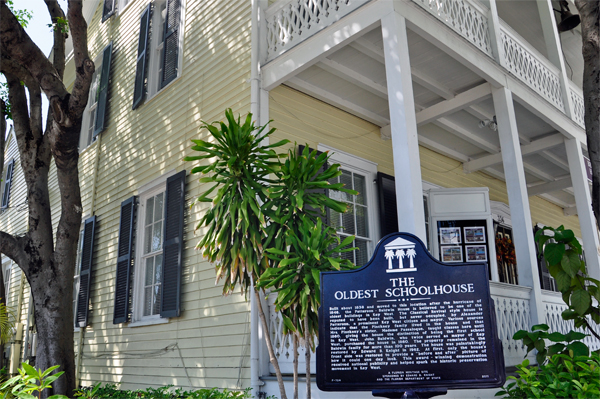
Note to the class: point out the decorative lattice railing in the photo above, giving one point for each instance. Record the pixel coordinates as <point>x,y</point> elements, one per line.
<point>554,306</point>
<point>290,22</point>
<point>530,66</point>
<point>283,345</point>
<point>577,100</point>
<point>465,17</point>
<point>512,314</point>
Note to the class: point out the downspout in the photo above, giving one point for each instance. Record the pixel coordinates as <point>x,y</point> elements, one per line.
<point>255,110</point>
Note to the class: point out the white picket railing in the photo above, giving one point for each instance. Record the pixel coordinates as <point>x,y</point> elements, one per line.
<point>554,306</point>
<point>466,17</point>
<point>512,314</point>
<point>520,58</point>
<point>577,100</point>
<point>290,22</point>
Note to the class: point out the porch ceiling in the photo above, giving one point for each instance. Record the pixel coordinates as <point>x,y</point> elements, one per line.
<point>455,99</point>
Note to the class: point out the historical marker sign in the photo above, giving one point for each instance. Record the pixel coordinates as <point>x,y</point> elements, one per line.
<point>407,321</point>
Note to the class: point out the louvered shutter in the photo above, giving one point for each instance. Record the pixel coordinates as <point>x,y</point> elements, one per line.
<point>173,246</point>
<point>85,274</point>
<point>124,260</point>
<point>324,218</point>
<point>139,90</point>
<point>388,211</point>
<point>7,183</point>
<point>108,9</point>
<point>170,62</point>
<point>103,90</point>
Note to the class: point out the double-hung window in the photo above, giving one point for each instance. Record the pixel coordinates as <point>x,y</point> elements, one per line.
<point>159,55</point>
<point>150,229</point>
<point>360,220</point>
<point>93,121</point>
<point>6,276</point>
<point>150,252</point>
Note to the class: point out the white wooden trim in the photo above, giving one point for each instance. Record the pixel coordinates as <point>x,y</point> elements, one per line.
<point>322,44</point>
<point>353,77</point>
<point>532,148</point>
<point>467,135</point>
<point>587,221</point>
<point>337,101</point>
<point>550,187</point>
<point>405,142</point>
<point>457,103</point>
<point>518,200</point>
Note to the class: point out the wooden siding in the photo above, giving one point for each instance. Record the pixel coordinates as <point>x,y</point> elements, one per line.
<point>303,119</point>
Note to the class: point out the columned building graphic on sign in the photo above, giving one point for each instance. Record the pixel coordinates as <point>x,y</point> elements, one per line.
<point>400,255</point>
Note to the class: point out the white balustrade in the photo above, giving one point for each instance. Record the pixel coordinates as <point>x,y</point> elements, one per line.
<point>577,100</point>
<point>512,314</point>
<point>283,344</point>
<point>290,22</point>
<point>554,306</point>
<point>465,17</point>
<point>520,58</point>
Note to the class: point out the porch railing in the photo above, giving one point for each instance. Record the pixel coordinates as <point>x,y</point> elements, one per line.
<point>512,314</point>
<point>554,306</point>
<point>290,22</point>
<point>467,18</point>
<point>577,100</point>
<point>529,66</point>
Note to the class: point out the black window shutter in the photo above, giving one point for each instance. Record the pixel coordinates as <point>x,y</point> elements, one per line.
<point>173,246</point>
<point>7,183</point>
<point>124,260</point>
<point>139,90</point>
<point>324,218</point>
<point>108,9</point>
<point>103,90</point>
<point>388,211</point>
<point>85,274</point>
<point>170,60</point>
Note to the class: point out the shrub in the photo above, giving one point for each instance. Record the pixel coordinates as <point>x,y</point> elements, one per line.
<point>563,376</point>
<point>111,391</point>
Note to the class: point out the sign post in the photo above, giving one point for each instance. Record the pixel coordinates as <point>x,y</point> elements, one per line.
<point>407,325</point>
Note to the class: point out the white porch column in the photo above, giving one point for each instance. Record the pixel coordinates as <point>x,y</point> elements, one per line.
<point>554,49</point>
<point>403,123</point>
<point>518,200</point>
<point>583,200</point>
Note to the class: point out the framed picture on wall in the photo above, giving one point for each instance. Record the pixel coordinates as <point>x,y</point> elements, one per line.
<point>476,253</point>
<point>450,235</point>
<point>452,254</point>
<point>474,235</point>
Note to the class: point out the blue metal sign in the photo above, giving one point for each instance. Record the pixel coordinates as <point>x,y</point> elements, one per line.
<point>406,320</point>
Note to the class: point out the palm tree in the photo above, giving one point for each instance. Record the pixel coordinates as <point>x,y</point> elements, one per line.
<point>389,255</point>
<point>411,253</point>
<point>400,255</point>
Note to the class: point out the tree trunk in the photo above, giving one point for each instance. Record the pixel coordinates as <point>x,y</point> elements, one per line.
<point>307,356</point>
<point>267,336</point>
<point>589,12</point>
<point>58,346</point>
<point>295,338</point>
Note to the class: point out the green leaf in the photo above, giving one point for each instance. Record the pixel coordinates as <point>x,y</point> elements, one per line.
<point>578,348</point>
<point>542,327</point>
<point>574,336</point>
<point>553,252</point>
<point>581,301</point>
<point>570,263</point>
<point>563,281</point>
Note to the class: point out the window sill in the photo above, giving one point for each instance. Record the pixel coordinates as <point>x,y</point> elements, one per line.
<point>157,93</point>
<point>148,322</point>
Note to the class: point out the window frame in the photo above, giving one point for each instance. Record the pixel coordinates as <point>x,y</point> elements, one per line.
<point>157,44</point>
<point>77,273</point>
<point>88,122</point>
<point>139,270</point>
<point>7,268</point>
<point>355,164</point>
<point>9,164</point>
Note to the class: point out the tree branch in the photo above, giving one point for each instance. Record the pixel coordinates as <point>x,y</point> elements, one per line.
<point>84,67</point>
<point>11,246</point>
<point>2,134</point>
<point>16,44</point>
<point>58,50</point>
